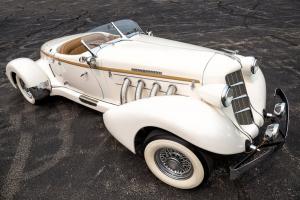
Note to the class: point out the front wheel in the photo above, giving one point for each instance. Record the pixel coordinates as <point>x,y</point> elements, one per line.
<point>173,162</point>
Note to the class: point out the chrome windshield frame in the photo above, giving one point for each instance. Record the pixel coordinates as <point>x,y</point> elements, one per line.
<point>117,26</point>
<point>119,31</point>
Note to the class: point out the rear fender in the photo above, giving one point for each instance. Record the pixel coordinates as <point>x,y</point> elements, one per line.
<point>188,118</point>
<point>28,70</point>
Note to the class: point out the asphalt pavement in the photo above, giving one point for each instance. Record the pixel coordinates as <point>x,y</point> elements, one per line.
<point>62,150</point>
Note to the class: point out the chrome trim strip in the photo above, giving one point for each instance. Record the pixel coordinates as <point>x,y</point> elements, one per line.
<point>155,89</point>
<point>88,100</point>
<point>239,97</point>
<point>151,79</point>
<point>123,70</point>
<point>243,110</point>
<point>124,91</point>
<point>68,88</point>
<point>236,84</point>
<point>171,90</point>
<point>139,89</point>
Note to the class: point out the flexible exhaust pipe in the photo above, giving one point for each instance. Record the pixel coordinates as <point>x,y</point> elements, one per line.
<point>155,89</point>
<point>124,90</point>
<point>171,90</point>
<point>139,89</point>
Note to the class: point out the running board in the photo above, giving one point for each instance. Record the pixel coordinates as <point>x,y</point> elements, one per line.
<point>102,106</point>
<point>88,100</point>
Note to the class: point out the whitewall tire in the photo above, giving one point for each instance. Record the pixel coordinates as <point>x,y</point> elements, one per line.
<point>174,163</point>
<point>25,91</point>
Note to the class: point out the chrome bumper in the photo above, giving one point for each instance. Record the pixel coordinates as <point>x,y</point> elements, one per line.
<point>265,147</point>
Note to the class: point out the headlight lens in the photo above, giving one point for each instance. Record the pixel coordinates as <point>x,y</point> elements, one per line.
<point>227,96</point>
<point>254,67</point>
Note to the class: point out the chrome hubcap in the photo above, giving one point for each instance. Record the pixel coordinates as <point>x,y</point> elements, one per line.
<point>28,93</point>
<point>173,163</point>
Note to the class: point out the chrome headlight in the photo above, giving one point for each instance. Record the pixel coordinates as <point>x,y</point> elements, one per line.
<point>254,66</point>
<point>279,109</point>
<point>249,65</point>
<point>219,95</point>
<point>227,96</point>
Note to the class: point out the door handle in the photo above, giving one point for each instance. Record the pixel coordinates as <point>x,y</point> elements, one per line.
<point>84,74</point>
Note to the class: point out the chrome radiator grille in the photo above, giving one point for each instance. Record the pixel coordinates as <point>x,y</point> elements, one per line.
<point>240,102</point>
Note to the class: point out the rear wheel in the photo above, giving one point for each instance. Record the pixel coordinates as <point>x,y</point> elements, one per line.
<point>175,162</point>
<point>25,91</point>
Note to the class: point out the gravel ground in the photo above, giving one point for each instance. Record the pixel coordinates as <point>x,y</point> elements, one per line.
<point>61,150</point>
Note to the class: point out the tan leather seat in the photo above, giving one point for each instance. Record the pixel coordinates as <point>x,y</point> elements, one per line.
<point>75,47</point>
<point>72,47</point>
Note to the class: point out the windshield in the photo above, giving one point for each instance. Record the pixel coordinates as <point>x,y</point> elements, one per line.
<point>126,26</point>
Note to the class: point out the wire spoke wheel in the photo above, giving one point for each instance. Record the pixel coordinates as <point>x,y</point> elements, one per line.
<point>173,163</point>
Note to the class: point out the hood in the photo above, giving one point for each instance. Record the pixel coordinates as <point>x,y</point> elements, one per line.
<point>158,55</point>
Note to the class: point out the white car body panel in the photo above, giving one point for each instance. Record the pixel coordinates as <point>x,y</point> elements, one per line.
<point>167,59</point>
<point>199,119</point>
<point>186,121</point>
<point>28,70</point>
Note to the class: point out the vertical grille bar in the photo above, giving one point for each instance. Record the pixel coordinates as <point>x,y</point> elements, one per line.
<point>240,102</point>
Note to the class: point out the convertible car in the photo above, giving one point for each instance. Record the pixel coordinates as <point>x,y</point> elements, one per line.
<point>176,104</point>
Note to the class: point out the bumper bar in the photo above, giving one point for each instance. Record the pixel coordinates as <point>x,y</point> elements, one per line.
<point>248,162</point>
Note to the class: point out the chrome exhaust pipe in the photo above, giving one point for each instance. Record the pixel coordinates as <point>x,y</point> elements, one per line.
<point>139,89</point>
<point>124,90</point>
<point>155,89</point>
<point>171,90</point>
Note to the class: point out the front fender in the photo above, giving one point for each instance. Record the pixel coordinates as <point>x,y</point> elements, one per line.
<point>28,70</point>
<point>188,118</point>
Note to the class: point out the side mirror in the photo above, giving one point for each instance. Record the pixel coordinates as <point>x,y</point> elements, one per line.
<point>149,32</point>
<point>91,61</point>
<point>82,59</point>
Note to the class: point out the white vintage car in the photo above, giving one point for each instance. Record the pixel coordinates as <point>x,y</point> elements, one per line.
<point>176,104</point>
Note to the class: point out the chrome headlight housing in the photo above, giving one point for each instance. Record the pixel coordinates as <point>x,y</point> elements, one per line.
<point>219,95</point>
<point>249,65</point>
<point>254,66</point>
<point>227,96</point>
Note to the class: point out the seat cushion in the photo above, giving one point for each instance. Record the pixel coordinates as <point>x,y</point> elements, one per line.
<point>72,47</point>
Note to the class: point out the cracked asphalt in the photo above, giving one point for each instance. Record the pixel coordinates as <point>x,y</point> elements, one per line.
<point>62,150</point>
